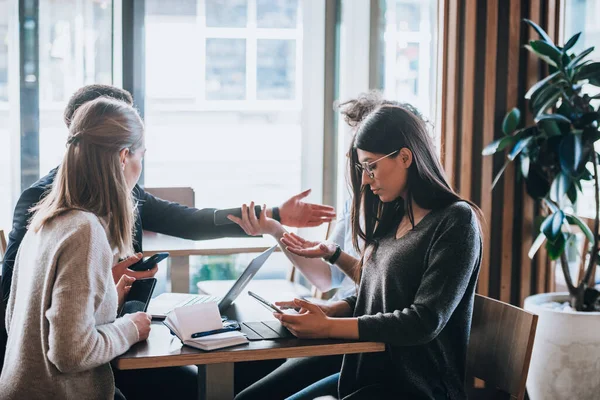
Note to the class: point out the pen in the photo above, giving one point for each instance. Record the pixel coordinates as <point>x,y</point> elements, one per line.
<point>208,333</point>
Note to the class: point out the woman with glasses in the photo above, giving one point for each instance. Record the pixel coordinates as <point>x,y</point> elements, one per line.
<point>418,269</point>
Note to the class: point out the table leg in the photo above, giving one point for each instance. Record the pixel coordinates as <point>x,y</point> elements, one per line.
<point>215,381</point>
<point>180,274</point>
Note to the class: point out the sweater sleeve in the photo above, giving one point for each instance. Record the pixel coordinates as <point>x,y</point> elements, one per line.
<point>452,258</point>
<point>75,342</point>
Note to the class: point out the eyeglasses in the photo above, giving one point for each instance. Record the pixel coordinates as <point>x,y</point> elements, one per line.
<point>368,166</point>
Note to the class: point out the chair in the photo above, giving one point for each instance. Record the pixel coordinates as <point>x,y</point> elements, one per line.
<point>2,245</point>
<point>182,195</point>
<point>499,350</point>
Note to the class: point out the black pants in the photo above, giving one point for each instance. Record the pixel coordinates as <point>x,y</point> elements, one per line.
<point>158,383</point>
<point>291,377</point>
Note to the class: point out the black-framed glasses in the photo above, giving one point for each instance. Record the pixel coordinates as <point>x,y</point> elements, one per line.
<point>368,166</point>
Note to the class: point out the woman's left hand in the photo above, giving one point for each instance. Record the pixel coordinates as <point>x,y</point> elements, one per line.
<point>310,323</point>
<point>123,287</point>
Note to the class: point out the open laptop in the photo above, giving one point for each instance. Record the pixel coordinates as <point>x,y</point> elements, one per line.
<point>161,305</point>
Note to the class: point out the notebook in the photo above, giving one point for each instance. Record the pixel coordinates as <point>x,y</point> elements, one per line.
<point>202,318</point>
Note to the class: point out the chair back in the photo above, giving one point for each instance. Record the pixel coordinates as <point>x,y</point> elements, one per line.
<point>182,195</point>
<point>2,246</point>
<point>500,346</point>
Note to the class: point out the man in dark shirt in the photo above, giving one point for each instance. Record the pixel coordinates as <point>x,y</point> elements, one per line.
<point>154,214</point>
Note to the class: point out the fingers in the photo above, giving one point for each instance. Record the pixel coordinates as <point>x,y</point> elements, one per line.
<point>286,304</point>
<point>128,262</point>
<point>143,274</point>
<point>297,238</point>
<point>311,307</point>
<point>125,281</point>
<point>302,195</point>
<point>321,208</point>
<point>246,222</point>
<point>252,218</point>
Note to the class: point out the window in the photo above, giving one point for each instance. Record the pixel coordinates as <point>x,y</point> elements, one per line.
<point>7,112</point>
<point>75,49</point>
<point>408,30</point>
<point>582,16</point>
<point>224,107</point>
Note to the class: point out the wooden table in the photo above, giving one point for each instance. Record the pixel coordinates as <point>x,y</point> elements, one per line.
<point>182,249</point>
<point>215,368</point>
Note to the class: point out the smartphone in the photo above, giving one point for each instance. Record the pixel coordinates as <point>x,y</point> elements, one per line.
<point>149,263</point>
<point>265,303</point>
<point>139,296</point>
<point>220,216</point>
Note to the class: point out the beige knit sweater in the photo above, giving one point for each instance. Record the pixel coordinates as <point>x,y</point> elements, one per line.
<point>61,314</point>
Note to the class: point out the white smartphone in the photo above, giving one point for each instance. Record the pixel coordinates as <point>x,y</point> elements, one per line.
<point>265,303</point>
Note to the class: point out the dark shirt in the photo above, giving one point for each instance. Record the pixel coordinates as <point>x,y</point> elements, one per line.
<point>416,295</point>
<point>154,214</point>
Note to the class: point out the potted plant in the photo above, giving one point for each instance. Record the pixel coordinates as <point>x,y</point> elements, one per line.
<point>555,156</point>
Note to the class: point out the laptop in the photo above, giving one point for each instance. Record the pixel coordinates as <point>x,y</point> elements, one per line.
<point>161,305</point>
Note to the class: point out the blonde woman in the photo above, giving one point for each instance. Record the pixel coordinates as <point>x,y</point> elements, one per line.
<point>61,314</point>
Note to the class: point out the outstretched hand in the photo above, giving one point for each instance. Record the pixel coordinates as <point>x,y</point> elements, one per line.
<point>297,213</point>
<point>122,268</point>
<point>305,248</point>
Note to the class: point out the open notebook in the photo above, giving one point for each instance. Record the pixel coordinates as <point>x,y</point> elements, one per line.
<point>199,319</point>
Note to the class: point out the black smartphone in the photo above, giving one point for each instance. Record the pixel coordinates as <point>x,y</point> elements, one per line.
<point>266,303</point>
<point>220,216</point>
<point>138,297</point>
<point>149,263</point>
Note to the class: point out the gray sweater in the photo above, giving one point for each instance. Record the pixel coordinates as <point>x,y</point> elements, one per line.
<point>416,295</point>
<point>61,314</point>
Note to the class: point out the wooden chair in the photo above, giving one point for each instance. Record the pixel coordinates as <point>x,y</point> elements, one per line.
<point>182,195</point>
<point>500,348</point>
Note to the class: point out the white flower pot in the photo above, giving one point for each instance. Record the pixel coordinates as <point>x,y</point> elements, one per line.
<point>565,363</point>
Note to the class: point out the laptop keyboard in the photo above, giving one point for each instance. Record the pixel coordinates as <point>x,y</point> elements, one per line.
<point>198,299</point>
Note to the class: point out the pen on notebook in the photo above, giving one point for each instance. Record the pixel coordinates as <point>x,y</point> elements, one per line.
<point>208,333</point>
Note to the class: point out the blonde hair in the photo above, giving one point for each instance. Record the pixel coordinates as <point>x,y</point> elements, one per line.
<point>90,177</point>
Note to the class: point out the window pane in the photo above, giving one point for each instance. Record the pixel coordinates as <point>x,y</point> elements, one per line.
<point>75,50</point>
<point>582,16</point>
<point>226,13</point>
<point>408,52</point>
<point>408,16</point>
<point>276,70</point>
<point>225,69</point>
<point>6,159</point>
<point>276,13</point>
<point>220,138</point>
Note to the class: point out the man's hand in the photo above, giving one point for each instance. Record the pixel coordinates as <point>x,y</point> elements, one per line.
<point>296,213</point>
<point>122,268</point>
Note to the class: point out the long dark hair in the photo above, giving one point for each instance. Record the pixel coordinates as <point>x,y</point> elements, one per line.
<point>385,130</point>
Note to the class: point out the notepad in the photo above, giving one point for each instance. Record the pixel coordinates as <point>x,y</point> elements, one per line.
<point>202,317</point>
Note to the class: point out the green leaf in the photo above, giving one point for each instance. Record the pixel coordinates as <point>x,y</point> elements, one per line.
<point>575,220</point>
<point>521,144</point>
<point>498,145</point>
<point>588,71</point>
<point>551,227</point>
<point>559,187</point>
<point>524,162</point>
<point>548,50</point>
<point>542,84</point>
<point>499,174</point>
<point>539,30</point>
<point>547,59</point>
<point>554,117</point>
<point>571,42</point>
<point>570,150</point>
<point>580,57</point>
<point>539,241</point>
<point>550,127</point>
<point>545,104</point>
<point>556,248</point>
<point>511,120</point>
<point>572,194</point>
